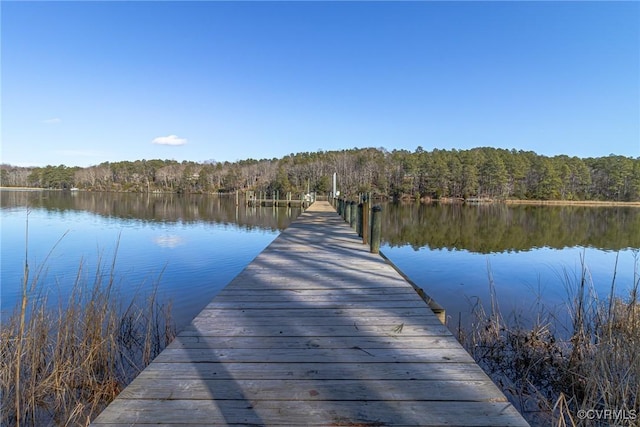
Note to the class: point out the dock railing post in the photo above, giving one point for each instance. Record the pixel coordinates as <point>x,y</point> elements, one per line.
<point>354,214</point>
<point>376,228</point>
<point>359,219</point>
<point>365,222</point>
<point>347,211</point>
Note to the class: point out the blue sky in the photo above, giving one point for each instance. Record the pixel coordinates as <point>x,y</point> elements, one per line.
<point>87,82</point>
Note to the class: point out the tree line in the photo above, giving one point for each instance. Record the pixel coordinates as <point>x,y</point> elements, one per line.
<point>483,172</point>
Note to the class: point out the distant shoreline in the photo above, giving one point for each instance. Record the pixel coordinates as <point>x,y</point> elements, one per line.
<point>28,189</point>
<point>586,203</point>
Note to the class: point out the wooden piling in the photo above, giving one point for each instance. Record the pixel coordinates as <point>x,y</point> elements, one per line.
<point>376,228</point>
<point>354,214</point>
<point>347,212</point>
<point>366,231</point>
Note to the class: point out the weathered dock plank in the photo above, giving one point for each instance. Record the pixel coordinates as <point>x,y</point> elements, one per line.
<point>375,371</point>
<point>222,342</point>
<point>315,331</point>
<point>343,390</point>
<point>203,329</point>
<point>219,411</point>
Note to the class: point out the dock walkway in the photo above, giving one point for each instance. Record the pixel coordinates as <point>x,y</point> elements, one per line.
<point>315,331</point>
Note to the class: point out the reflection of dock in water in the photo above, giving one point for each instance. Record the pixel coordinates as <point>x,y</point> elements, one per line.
<point>277,203</point>
<point>260,199</point>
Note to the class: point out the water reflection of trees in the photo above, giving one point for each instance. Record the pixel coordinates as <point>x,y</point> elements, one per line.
<point>154,207</point>
<point>500,228</point>
<point>482,228</point>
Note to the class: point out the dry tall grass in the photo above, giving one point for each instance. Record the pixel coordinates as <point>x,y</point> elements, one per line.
<point>61,365</point>
<point>590,376</point>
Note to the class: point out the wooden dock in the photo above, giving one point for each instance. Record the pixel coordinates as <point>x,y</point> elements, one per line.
<point>315,331</point>
<point>268,203</point>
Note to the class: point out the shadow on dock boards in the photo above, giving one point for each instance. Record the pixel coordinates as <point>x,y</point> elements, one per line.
<point>315,331</point>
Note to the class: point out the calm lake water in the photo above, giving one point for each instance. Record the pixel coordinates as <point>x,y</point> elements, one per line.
<point>190,247</point>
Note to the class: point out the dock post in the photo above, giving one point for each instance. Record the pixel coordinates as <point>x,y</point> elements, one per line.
<point>359,219</point>
<point>347,211</point>
<point>376,228</point>
<point>354,213</point>
<point>366,230</point>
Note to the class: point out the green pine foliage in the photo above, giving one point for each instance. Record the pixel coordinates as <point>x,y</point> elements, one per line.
<point>485,172</point>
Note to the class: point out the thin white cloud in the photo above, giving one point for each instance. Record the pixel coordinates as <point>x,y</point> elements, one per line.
<point>169,140</point>
<point>53,121</point>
